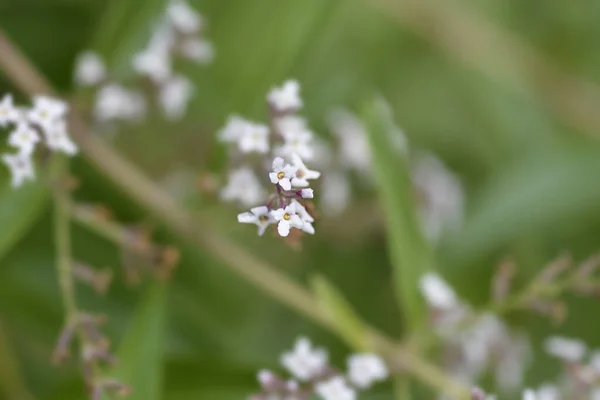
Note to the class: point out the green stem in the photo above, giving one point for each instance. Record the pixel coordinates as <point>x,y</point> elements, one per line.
<point>62,239</point>
<point>150,197</point>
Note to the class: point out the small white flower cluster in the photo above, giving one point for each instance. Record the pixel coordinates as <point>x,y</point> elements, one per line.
<point>440,194</point>
<point>475,343</point>
<point>47,120</point>
<point>313,375</point>
<point>581,373</point>
<point>290,179</point>
<point>177,34</point>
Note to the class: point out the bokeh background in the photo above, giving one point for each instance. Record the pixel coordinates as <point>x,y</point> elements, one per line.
<point>503,121</point>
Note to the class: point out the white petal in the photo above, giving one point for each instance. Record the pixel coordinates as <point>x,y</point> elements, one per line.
<point>278,163</point>
<point>296,222</point>
<point>278,214</point>
<point>285,184</point>
<point>273,177</point>
<point>308,228</point>
<point>247,218</point>
<point>283,228</point>
<point>307,193</point>
<point>261,210</point>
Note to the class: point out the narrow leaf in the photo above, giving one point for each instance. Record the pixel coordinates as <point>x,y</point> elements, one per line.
<point>140,353</point>
<point>409,252</point>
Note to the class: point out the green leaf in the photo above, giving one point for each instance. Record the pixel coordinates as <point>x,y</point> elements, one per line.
<point>19,210</point>
<point>347,322</point>
<point>409,252</point>
<point>140,353</point>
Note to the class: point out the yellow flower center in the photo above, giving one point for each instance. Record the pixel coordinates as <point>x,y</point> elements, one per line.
<point>263,219</point>
<point>286,216</point>
<point>280,175</point>
<point>300,173</point>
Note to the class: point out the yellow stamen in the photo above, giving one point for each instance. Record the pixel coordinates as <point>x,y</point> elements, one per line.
<point>300,173</point>
<point>287,217</point>
<point>280,175</point>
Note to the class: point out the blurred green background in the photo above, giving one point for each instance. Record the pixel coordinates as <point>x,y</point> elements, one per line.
<point>532,179</point>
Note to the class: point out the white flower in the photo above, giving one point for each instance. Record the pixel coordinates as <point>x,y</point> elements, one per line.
<point>304,362</point>
<point>354,147</point>
<point>282,174</point>
<point>153,62</point>
<point>9,114</point>
<point>437,293</point>
<point>114,102</point>
<point>175,95</point>
<point>544,392</point>
<point>287,218</point>
<point>89,69</point>
<point>24,138</point>
<point>243,187</point>
<point>234,129</point>
<point>298,139</point>
<point>260,216</point>
<point>21,168</point>
<point>334,193</point>
<point>307,193</point>
<point>285,98</point>
<point>254,138</point>
<point>199,50</point>
<point>335,388</point>
<point>58,139</point>
<point>571,350</point>
<point>266,378</point>
<point>302,174</point>
<point>47,111</point>
<point>306,218</point>
<point>441,194</point>
<point>366,369</point>
<point>183,17</point>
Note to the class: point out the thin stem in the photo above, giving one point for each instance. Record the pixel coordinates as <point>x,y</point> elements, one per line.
<point>62,238</point>
<point>200,232</point>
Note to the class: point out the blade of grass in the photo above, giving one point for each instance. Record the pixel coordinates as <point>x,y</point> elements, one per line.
<point>140,353</point>
<point>409,252</point>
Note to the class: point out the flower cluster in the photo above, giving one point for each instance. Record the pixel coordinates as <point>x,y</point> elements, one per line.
<point>312,374</point>
<point>46,120</point>
<point>440,198</point>
<point>292,143</point>
<point>474,343</point>
<point>178,33</point>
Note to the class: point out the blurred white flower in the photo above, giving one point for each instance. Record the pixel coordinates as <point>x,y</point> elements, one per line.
<point>441,196</point>
<point>512,362</point>
<point>183,17</point>
<point>260,216</point>
<point>58,139</point>
<point>154,63</point>
<point>570,350</point>
<point>366,369</point>
<point>302,174</point>
<point>287,218</point>
<point>47,111</point>
<point>115,102</point>
<point>335,193</point>
<point>21,168</point>
<point>282,173</point>
<point>199,50</point>
<point>9,114</point>
<point>335,388</point>
<point>285,98</point>
<point>89,69</point>
<point>544,392</point>
<point>306,218</point>
<point>595,360</point>
<point>234,129</point>
<point>354,147</point>
<point>297,139</point>
<point>255,137</point>
<point>24,138</point>
<point>266,378</point>
<point>437,292</point>
<point>175,95</point>
<point>304,361</point>
<point>243,187</point>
